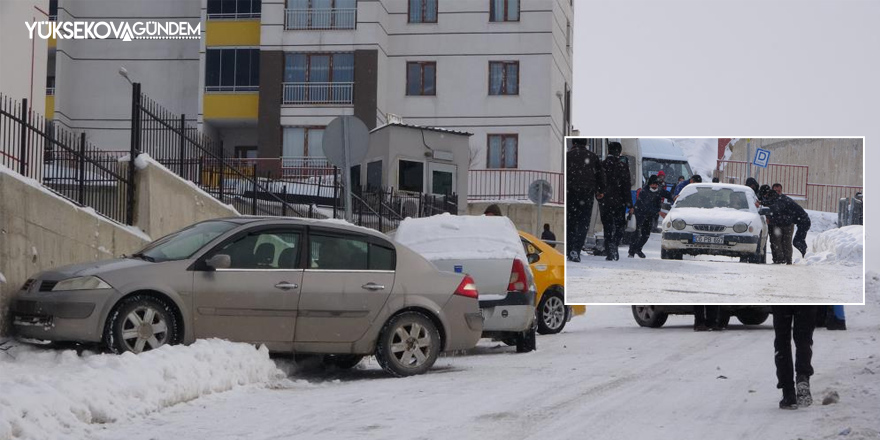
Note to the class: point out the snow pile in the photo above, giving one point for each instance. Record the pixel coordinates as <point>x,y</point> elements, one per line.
<point>842,246</point>
<point>821,221</point>
<point>48,394</point>
<point>449,237</point>
<point>702,154</point>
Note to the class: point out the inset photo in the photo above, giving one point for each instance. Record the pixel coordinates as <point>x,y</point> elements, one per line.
<point>714,220</point>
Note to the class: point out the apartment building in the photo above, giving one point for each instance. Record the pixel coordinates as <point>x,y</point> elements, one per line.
<point>275,73</point>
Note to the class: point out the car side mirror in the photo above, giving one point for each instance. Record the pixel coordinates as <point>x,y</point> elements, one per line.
<point>533,258</point>
<point>219,261</point>
<point>764,210</point>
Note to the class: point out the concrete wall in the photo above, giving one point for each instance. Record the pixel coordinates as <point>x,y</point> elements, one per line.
<point>39,230</point>
<point>525,216</point>
<point>831,161</point>
<point>161,199</point>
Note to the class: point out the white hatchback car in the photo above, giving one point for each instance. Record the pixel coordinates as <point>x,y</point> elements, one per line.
<point>715,219</point>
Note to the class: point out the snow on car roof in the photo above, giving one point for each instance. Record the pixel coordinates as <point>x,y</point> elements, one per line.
<point>715,187</point>
<point>449,237</point>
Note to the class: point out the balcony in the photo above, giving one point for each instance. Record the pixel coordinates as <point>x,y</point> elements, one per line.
<point>320,19</point>
<point>309,93</point>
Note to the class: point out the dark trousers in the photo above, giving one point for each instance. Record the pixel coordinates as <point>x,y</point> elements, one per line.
<point>578,208</point>
<point>613,225</point>
<point>706,316</point>
<point>797,321</point>
<point>644,224</point>
<point>780,243</point>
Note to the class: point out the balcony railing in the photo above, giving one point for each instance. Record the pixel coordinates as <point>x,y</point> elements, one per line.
<point>505,184</point>
<point>305,93</point>
<point>320,19</point>
<point>234,16</point>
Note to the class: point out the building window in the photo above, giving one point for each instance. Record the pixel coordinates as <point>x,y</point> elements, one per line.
<point>232,70</point>
<point>318,78</point>
<point>53,10</point>
<point>321,14</point>
<point>412,176</point>
<point>504,77</point>
<point>502,151</point>
<point>423,11</point>
<point>233,9</point>
<point>245,152</point>
<point>303,142</point>
<point>421,78</point>
<point>503,10</point>
<point>374,175</point>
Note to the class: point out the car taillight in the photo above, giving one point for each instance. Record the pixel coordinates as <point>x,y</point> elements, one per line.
<point>467,288</point>
<point>518,280</point>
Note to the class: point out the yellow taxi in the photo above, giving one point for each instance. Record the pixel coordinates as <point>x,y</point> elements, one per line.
<point>548,268</point>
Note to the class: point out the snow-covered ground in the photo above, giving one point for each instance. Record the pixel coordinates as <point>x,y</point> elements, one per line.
<point>831,272</point>
<point>602,378</point>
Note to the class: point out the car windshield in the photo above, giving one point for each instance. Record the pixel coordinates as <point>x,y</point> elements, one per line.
<point>714,197</point>
<point>673,169</point>
<point>184,243</point>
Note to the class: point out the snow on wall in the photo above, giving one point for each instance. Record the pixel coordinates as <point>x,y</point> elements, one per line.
<point>838,246</point>
<point>50,394</point>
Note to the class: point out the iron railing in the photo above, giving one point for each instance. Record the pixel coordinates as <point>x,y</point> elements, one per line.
<point>826,198</point>
<point>301,93</point>
<point>503,184</point>
<point>792,177</point>
<point>320,19</point>
<point>64,162</point>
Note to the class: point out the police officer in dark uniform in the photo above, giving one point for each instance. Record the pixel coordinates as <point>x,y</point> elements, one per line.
<point>583,181</point>
<point>616,201</point>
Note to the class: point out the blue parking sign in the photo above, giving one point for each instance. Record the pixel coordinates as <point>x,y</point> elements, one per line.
<point>762,158</point>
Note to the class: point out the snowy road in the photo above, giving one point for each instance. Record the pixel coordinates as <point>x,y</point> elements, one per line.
<point>709,279</point>
<point>602,378</point>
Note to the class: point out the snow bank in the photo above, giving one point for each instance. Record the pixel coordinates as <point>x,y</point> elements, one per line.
<point>821,221</point>
<point>51,394</point>
<point>449,237</point>
<point>702,154</point>
<point>838,246</point>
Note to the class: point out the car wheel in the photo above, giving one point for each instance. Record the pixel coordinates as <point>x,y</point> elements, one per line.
<point>342,361</point>
<point>648,316</point>
<point>552,314</point>
<point>141,323</point>
<point>527,341</point>
<point>408,345</point>
<point>752,317</point>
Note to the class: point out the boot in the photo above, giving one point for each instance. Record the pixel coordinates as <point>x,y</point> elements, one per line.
<point>789,400</point>
<point>640,254</point>
<point>804,398</point>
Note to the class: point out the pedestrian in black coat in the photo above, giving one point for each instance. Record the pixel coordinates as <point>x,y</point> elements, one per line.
<point>798,323</point>
<point>785,214</point>
<point>646,210</point>
<point>584,180</point>
<point>617,199</point>
<point>548,236</point>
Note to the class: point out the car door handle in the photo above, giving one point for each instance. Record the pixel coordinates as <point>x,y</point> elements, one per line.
<point>373,286</point>
<point>284,285</point>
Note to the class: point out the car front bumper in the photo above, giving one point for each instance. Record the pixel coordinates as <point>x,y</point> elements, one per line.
<point>733,244</point>
<point>59,316</point>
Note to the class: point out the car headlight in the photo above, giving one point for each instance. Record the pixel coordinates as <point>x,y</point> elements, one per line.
<point>740,227</point>
<point>81,283</point>
<point>679,224</point>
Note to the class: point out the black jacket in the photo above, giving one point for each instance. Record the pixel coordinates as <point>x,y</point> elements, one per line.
<point>617,182</point>
<point>649,203</point>
<point>785,211</point>
<point>584,171</point>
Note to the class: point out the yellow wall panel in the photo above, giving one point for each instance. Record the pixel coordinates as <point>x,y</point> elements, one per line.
<point>232,33</point>
<point>231,105</point>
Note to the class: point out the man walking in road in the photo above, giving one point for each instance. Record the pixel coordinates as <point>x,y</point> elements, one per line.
<point>548,236</point>
<point>617,199</point>
<point>797,322</point>
<point>646,210</point>
<point>584,180</point>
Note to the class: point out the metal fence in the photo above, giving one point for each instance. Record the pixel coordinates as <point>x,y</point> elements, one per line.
<point>826,198</point>
<point>792,177</point>
<point>64,162</point>
<point>320,19</point>
<point>512,184</point>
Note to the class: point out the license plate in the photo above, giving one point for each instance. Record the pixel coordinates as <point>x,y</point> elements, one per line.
<point>708,239</point>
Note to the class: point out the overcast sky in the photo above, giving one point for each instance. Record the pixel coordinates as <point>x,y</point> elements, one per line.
<point>731,69</point>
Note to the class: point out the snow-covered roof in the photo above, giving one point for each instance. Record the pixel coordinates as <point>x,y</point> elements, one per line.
<point>661,149</point>
<point>419,127</point>
<point>450,237</point>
